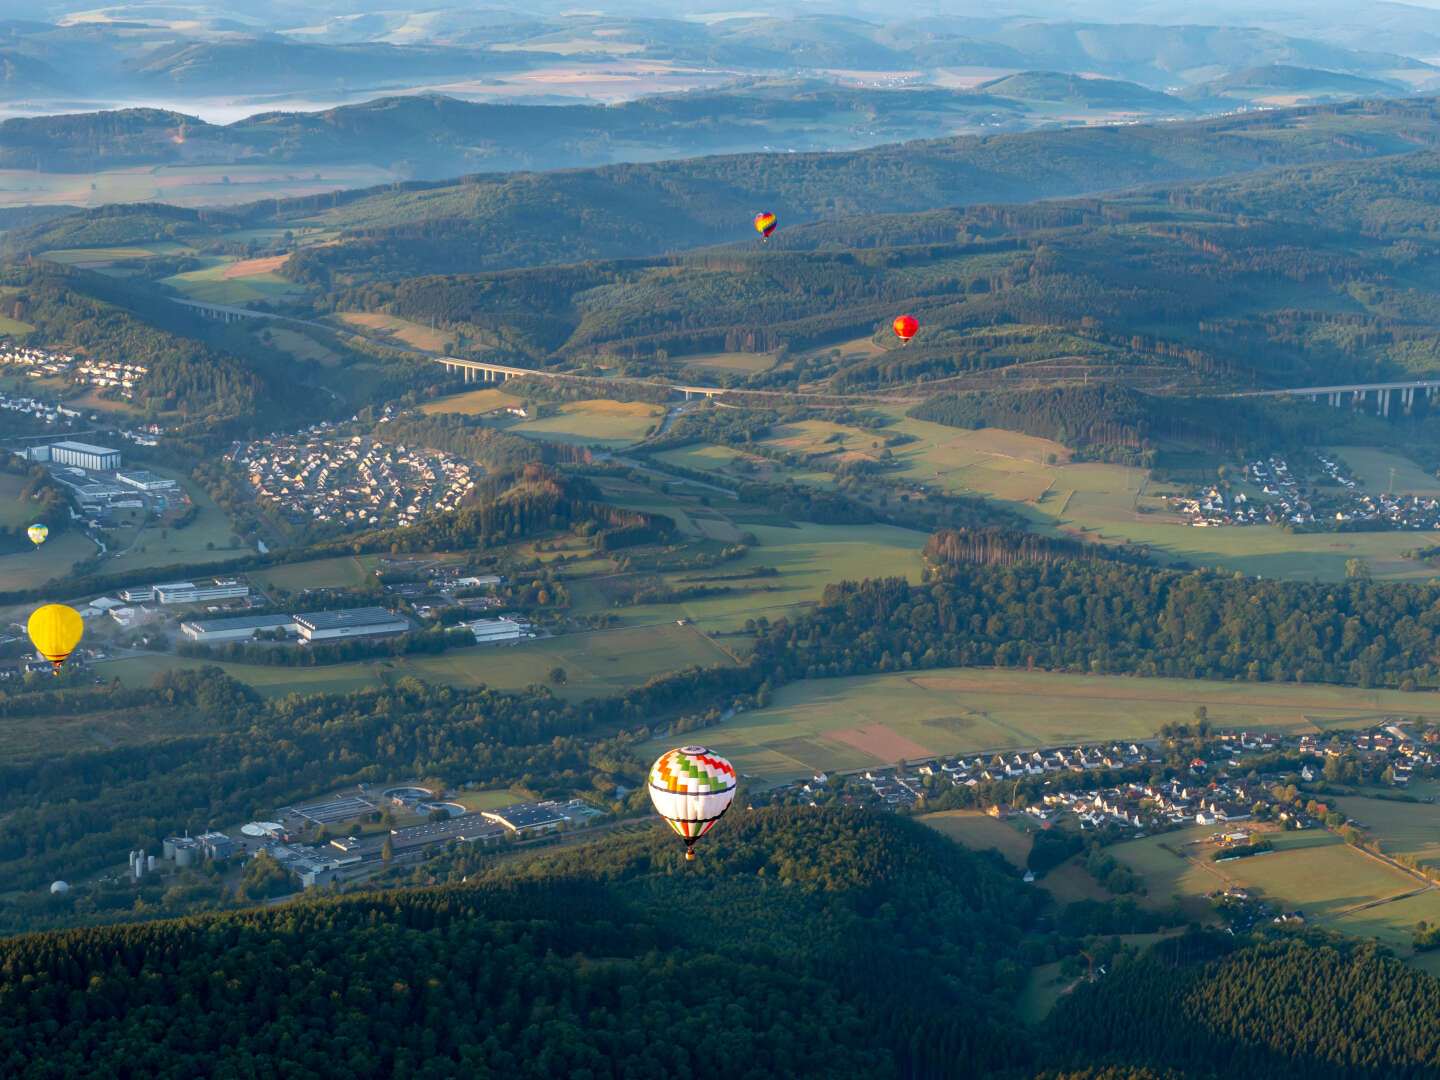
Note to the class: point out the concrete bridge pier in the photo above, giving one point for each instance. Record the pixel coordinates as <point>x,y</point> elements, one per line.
<point>1384,403</point>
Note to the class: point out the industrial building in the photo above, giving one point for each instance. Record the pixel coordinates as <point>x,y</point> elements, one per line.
<point>217,845</point>
<point>212,631</point>
<point>183,849</point>
<point>185,592</point>
<point>526,817</point>
<point>495,631</point>
<point>349,623</point>
<point>145,481</point>
<point>86,456</point>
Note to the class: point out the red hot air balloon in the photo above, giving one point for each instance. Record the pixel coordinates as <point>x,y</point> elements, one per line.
<point>905,328</point>
<point>765,224</point>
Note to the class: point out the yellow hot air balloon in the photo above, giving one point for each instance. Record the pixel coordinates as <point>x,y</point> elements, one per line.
<point>55,629</point>
<point>37,534</point>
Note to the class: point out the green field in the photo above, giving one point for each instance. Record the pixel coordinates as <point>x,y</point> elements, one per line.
<point>13,511</point>
<point>982,832</point>
<point>212,285</point>
<point>1089,500</point>
<point>808,557</point>
<point>1402,828</point>
<point>52,559</point>
<point>343,572</point>
<point>951,711</point>
<point>486,800</point>
<point>597,422</point>
<point>471,403</point>
<point>596,664</point>
<point>1380,470</point>
<point>745,363</point>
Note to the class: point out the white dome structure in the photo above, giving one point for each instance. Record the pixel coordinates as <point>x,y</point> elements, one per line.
<point>59,887</point>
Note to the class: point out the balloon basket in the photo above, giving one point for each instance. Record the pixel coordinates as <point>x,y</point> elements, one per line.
<point>689,855</point>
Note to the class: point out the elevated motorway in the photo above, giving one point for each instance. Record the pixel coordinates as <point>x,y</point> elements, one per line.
<point>1357,395</point>
<point>483,371</point>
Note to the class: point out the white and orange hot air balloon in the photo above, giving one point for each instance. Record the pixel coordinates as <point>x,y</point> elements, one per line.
<point>691,788</point>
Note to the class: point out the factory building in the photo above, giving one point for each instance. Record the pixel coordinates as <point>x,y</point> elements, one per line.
<point>216,845</point>
<point>185,592</point>
<point>349,623</point>
<point>526,817</point>
<point>495,631</point>
<point>183,849</point>
<point>145,481</point>
<point>86,456</point>
<point>212,631</point>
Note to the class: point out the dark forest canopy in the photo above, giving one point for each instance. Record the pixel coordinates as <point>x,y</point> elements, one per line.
<point>609,962</point>
<point>1104,617</point>
<point>803,943</point>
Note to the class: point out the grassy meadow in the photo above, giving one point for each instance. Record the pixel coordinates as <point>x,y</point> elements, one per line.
<point>596,664</point>
<point>400,330</point>
<point>1087,500</point>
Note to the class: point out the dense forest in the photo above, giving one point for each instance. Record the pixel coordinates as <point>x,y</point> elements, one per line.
<point>609,962</point>
<point>1296,1008</point>
<point>1107,617</point>
<point>802,943</point>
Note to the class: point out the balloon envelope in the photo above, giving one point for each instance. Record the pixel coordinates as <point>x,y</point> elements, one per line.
<point>37,534</point>
<point>55,629</point>
<point>691,788</point>
<point>905,327</point>
<point>765,223</point>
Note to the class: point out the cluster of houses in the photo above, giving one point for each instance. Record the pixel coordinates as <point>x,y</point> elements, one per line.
<point>1285,501</point>
<point>49,412</point>
<point>355,480</point>
<point>105,374</point>
<point>1215,788</point>
<point>1389,747</point>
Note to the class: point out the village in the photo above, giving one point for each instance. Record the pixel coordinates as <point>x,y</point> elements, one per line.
<point>1340,504</point>
<point>103,374</point>
<point>352,481</point>
<point>1220,785</point>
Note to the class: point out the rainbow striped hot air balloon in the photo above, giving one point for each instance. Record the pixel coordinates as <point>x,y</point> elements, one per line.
<point>55,629</point>
<point>765,224</point>
<point>691,788</point>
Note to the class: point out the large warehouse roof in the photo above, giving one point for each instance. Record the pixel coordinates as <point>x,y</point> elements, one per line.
<point>244,622</point>
<point>346,618</point>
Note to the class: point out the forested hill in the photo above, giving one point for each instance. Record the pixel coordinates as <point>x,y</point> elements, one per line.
<point>496,221</point>
<point>1320,1008</point>
<point>802,943</point>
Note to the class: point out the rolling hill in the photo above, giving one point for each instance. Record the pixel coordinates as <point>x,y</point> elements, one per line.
<point>1281,84</point>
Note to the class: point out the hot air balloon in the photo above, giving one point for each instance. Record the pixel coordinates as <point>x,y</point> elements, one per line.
<point>55,629</point>
<point>765,224</point>
<point>37,534</point>
<point>691,788</point>
<point>905,327</point>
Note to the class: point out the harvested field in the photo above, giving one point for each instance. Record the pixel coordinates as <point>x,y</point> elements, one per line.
<point>250,267</point>
<point>880,742</point>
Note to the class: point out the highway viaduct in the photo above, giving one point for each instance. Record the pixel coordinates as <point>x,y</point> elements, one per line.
<point>1358,395</point>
